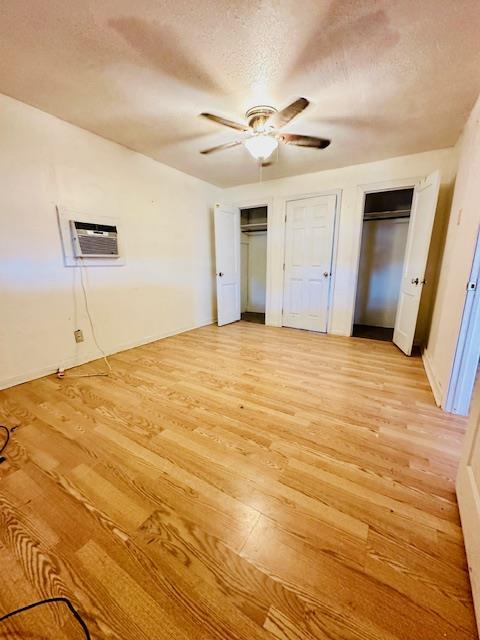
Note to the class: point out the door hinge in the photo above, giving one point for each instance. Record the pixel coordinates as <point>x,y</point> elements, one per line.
<point>285,217</point>
<point>472,285</point>
<point>284,266</point>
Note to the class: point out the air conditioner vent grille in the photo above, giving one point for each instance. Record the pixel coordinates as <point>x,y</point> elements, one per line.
<point>92,240</point>
<point>98,245</point>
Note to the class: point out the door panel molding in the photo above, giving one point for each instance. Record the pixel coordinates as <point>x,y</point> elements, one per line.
<point>309,221</point>
<point>422,216</point>
<point>227,263</point>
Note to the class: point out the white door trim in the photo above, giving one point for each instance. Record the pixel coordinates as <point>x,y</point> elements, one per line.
<point>276,209</point>
<point>263,202</point>
<point>362,191</point>
<point>468,497</point>
<point>467,352</point>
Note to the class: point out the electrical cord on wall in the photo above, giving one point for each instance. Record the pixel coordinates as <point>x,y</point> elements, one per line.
<point>94,335</point>
<point>87,309</point>
<point>69,604</point>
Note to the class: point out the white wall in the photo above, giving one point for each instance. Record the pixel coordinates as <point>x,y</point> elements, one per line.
<point>380,271</point>
<point>457,260</point>
<point>395,172</point>
<point>257,272</point>
<point>253,271</point>
<point>167,283</point>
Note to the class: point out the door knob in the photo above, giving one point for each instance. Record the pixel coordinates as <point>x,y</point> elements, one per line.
<point>325,274</point>
<point>415,280</point>
<point>220,274</point>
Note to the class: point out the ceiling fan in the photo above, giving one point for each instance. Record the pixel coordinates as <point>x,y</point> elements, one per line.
<point>262,131</point>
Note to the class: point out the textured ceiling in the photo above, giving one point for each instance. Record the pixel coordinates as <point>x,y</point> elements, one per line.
<point>385,77</point>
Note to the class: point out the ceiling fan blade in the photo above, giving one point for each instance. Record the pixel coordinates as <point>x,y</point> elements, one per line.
<point>225,122</point>
<point>220,147</point>
<point>283,117</point>
<point>304,141</point>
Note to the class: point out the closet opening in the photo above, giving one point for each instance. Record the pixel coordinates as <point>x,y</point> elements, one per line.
<point>384,237</point>
<point>253,278</point>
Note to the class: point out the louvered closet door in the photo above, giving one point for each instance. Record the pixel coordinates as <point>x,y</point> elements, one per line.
<point>308,261</point>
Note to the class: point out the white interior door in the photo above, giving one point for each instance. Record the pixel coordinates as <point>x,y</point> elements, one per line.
<point>468,494</point>
<point>227,257</point>
<point>416,253</point>
<point>467,354</point>
<point>308,262</point>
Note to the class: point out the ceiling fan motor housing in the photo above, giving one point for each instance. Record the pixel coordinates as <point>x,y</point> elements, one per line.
<point>258,116</point>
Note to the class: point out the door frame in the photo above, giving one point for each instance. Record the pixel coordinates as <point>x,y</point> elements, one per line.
<point>362,191</point>
<point>250,204</point>
<point>468,499</point>
<point>243,284</point>
<point>333,260</point>
<point>464,369</point>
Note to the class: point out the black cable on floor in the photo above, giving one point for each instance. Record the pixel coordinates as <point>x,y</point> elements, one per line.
<point>75,613</point>
<point>4,445</point>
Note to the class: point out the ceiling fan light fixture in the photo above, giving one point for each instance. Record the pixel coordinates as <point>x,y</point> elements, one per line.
<point>261,146</point>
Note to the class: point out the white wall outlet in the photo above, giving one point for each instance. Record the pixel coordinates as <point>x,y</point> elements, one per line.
<point>78,335</point>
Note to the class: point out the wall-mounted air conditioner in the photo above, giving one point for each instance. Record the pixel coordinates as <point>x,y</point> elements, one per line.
<point>94,240</point>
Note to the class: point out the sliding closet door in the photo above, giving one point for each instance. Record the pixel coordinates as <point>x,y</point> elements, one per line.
<point>308,262</point>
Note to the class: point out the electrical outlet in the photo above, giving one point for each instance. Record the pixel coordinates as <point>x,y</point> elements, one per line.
<point>78,335</point>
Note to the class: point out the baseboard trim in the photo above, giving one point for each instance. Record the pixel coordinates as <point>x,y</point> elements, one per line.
<point>76,362</point>
<point>432,378</point>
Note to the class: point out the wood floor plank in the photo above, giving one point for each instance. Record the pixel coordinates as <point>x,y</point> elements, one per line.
<point>403,566</point>
<point>340,590</point>
<point>216,564</point>
<point>243,482</point>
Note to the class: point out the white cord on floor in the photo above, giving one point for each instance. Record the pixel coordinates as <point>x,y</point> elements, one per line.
<point>94,335</point>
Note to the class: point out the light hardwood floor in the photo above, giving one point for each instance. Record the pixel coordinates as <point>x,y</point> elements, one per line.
<point>244,482</point>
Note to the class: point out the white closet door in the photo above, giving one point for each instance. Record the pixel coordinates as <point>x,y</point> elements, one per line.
<point>416,253</point>
<point>308,262</point>
<point>227,256</point>
<point>468,494</point>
